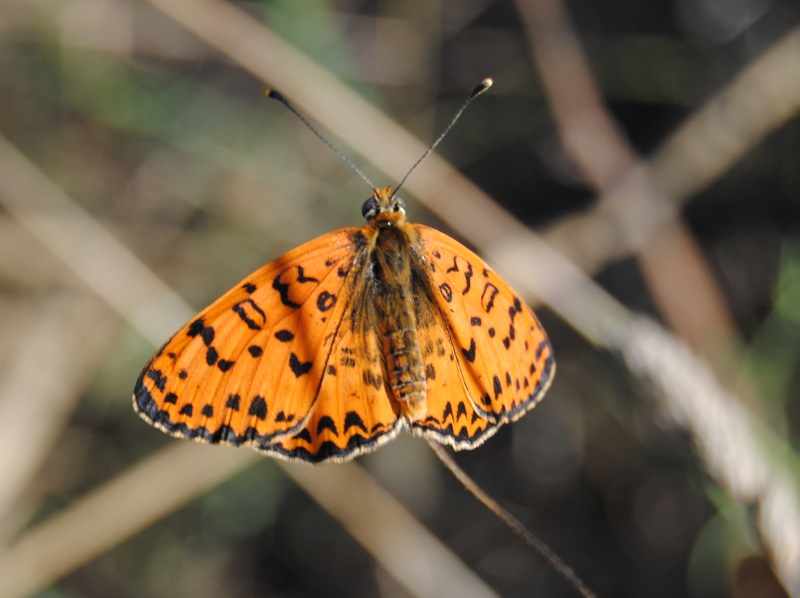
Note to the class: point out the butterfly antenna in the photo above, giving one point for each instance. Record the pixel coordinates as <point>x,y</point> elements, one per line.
<point>278,97</point>
<point>512,522</point>
<point>479,89</point>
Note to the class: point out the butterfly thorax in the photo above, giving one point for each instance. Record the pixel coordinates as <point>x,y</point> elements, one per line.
<point>391,262</point>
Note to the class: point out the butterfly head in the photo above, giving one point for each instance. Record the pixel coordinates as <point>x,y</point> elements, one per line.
<point>384,209</point>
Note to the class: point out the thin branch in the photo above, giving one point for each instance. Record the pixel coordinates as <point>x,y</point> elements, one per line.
<point>514,524</point>
<point>678,276</point>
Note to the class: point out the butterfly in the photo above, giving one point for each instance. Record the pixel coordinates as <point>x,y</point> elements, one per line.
<point>330,350</point>
<point>327,352</point>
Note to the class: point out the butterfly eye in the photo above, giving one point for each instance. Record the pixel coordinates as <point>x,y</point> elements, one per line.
<point>399,205</point>
<point>370,208</point>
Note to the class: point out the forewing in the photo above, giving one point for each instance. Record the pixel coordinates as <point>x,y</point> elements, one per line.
<point>248,369</point>
<point>492,343</point>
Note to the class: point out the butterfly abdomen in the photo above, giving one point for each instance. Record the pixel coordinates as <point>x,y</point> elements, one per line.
<point>397,322</point>
<point>406,369</point>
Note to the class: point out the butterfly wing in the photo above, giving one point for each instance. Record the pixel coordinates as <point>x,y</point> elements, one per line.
<point>450,413</point>
<point>490,358</point>
<point>354,414</point>
<point>249,368</point>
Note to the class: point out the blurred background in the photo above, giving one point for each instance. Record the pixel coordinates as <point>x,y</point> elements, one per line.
<point>654,148</point>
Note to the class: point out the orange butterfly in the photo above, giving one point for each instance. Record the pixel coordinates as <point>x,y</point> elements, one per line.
<point>328,351</point>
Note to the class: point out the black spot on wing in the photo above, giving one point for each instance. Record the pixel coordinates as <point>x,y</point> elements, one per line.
<point>299,368</point>
<point>467,278</point>
<point>195,328</point>
<point>284,336</point>
<point>159,379</point>
<point>283,287</point>
<point>233,402</point>
<point>430,371</point>
<point>498,387</point>
<point>353,419</point>
<point>251,314</point>
<point>469,354</point>
<point>371,379</point>
<point>448,412</point>
<point>488,296</point>
<point>327,423</point>
<point>467,273</point>
<point>258,407</point>
<point>207,334</point>
<point>517,307</point>
<point>446,291</point>
<point>255,351</point>
<point>211,356</point>
<point>301,276</point>
<point>325,301</point>
<point>283,291</point>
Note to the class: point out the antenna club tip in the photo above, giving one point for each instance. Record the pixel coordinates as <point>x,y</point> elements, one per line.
<point>481,87</point>
<point>273,95</point>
